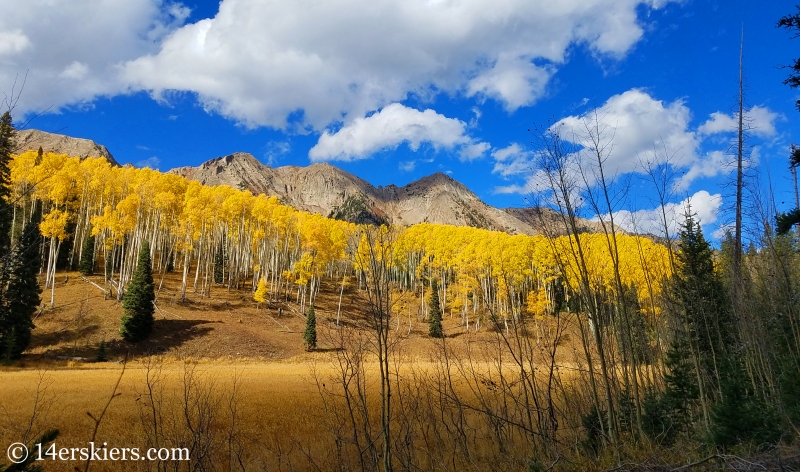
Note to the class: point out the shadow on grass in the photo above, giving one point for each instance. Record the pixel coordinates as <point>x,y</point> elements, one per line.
<point>166,336</point>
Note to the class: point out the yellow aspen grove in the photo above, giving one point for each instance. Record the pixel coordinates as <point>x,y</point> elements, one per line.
<point>254,239</point>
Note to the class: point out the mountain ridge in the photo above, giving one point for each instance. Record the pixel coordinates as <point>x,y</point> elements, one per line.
<point>328,190</point>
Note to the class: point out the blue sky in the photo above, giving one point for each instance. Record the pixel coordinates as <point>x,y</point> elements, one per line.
<point>395,90</point>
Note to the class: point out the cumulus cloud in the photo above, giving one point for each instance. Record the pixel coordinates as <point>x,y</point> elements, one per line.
<point>515,82</point>
<point>632,125</point>
<point>629,128</point>
<point>71,51</point>
<point>511,160</point>
<point>471,152</point>
<point>703,205</point>
<point>261,62</point>
<point>711,165</point>
<point>760,121</point>
<point>390,127</point>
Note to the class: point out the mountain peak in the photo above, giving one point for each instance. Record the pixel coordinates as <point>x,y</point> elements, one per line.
<point>33,139</point>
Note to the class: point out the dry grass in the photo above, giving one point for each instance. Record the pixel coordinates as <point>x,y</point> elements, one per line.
<point>277,396</point>
<point>225,344</point>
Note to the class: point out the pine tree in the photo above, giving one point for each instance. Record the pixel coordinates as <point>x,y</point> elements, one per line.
<point>86,266</point>
<point>23,292</point>
<point>680,380</point>
<point>102,355</point>
<point>137,322</point>
<point>310,333</point>
<point>741,416</point>
<point>699,288</point>
<point>7,148</point>
<point>219,266</point>
<point>435,322</point>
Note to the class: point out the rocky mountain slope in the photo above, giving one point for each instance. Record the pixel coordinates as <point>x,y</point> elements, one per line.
<point>33,139</point>
<point>328,190</point>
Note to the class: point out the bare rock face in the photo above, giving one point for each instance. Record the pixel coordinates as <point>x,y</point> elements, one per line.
<point>32,140</point>
<point>330,191</point>
<point>239,170</point>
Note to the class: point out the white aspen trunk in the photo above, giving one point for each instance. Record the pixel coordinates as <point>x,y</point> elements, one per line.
<point>339,309</point>
<point>186,260</point>
<point>53,277</point>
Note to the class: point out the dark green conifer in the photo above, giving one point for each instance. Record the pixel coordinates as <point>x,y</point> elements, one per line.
<point>708,318</point>
<point>741,416</point>
<point>102,355</point>
<point>435,321</point>
<point>219,266</point>
<point>681,383</point>
<point>137,322</point>
<point>23,292</point>
<point>310,333</point>
<point>87,257</point>
<point>7,148</point>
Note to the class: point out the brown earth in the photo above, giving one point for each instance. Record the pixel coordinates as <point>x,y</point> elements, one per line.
<point>225,325</point>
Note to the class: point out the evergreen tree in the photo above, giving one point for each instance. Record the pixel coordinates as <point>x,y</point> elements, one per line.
<point>435,322</point>
<point>137,322</point>
<point>23,292</point>
<point>87,257</point>
<point>708,317</point>
<point>102,355</point>
<point>7,148</point>
<point>681,383</point>
<point>667,415</point>
<point>219,266</point>
<point>310,333</point>
<point>741,416</point>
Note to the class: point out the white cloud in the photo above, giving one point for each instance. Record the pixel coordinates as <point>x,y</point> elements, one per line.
<point>390,127</point>
<point>760,121</point>
<point>76,71</point>
<point>471,152</point>
<point>635,124</point>
<point>631,125</point>
<point>13,42</point>
<point>704,205</point>
<point>323,61</point>
<point>718,123</point>
<point>510,189</point>
<point>72,50</point>
<point>630,128</point>
<point>711,165</point>
<point>515,82</point>
<point>512,160</point>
